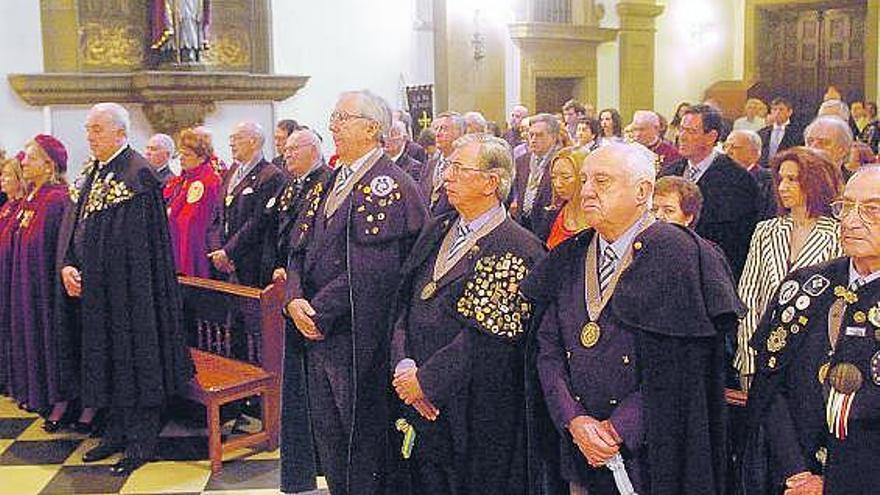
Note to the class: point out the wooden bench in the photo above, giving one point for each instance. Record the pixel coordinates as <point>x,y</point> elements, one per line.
<point>236,338</point>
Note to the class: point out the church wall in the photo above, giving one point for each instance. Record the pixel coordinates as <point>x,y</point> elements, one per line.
<point>346,45</point>
<point>22,51</point>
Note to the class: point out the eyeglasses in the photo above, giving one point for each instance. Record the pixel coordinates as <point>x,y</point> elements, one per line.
<point>338,117</point>
<point>869,213</point>
<point>456,168</point>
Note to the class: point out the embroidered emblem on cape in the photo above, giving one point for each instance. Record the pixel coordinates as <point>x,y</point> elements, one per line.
<point>105,193</point>
<point>311,202</point>
<point>776,341</point>
<point>492,296</point>
<point>382,185</point>
<point>270,203</point>
<point>802,302</point>
<point>787,291</point>
<point>816,285</point>
<point>195,191</point>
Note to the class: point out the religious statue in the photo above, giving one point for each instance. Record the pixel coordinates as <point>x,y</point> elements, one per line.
<point>180,29</point>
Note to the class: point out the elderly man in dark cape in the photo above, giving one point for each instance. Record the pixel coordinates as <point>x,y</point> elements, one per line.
<point>646,372</point>
<point>122,294</point>
<point>351,242</point>
<point>460,338</point>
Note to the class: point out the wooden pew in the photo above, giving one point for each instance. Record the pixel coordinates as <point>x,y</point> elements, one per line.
<point>236,338</point>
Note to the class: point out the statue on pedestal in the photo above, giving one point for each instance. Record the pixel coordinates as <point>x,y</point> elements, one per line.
<point>179,30</point>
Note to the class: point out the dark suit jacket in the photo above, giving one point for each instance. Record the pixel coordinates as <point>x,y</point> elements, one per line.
<point>410,165</point>
<point>286,208</point>
<point>767,192</point>
<point>415,151</point>
<point>730,211</point>
<point>541,219</point>
<point>426,184</point>
<point>241,229</point>
<point>793,136</point>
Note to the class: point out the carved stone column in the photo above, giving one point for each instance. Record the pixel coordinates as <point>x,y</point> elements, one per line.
<point>636,38</point>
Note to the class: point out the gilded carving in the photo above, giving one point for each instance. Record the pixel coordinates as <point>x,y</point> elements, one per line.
<point>229,50</point>
<point>172,117</point>
<point>111,46</point>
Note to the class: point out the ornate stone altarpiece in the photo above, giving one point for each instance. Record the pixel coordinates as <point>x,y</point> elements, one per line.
<point>100,50</point>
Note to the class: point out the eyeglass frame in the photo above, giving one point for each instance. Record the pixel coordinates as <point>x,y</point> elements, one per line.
<point>844,212</point>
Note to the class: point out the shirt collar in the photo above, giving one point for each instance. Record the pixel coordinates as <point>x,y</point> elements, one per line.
<point>854,275</point>
<point>397,156</point>
<point>622,244</point>
<point>315,166</point>
<point>113,156</point>
<point>704,165</point>
<point>782,126</point>
<point>477,223</point>
<point>357,164</point>
<point>249,167</point>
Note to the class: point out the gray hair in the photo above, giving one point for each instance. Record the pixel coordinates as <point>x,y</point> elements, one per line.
<point>834,108</point>
<point>457,120</point>
<point>635,158</point>
<point>475,119</point>
<point>843,133</point>
<point>117,113</point>
<point>373,107</point>
<point>752,136</point>
<point>253,130</point>
<point>646,117</point>
<point>311,138</point>
<point>400,126</point>
<point>494,157</point>
<point>551,121</point>
<point>871,168</point>
<point>165,141</point>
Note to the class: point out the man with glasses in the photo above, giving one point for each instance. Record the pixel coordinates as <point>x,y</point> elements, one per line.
<point>350,242</point>
<point>241,237</point>
<point>729,208</point>
<point>814,406</point>
<point>459,341</point>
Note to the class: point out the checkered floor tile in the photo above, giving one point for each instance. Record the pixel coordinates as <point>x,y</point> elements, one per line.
<point>33,462</point>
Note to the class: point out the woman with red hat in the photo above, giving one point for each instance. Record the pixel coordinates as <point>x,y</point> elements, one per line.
<point>12,185</point>
<point>45,366</point>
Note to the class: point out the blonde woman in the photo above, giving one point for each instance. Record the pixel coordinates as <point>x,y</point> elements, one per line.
<point>566,183</point>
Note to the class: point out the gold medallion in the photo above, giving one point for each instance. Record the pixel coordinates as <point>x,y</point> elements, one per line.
<point>428,290</point>
<point>874,316</point>
<point>590,334</point>
<point>846,378</point>
<point>823,372</point>
<point>776,341</point>
<point>229,198</point>
<point>859,317</point>
<point>195,191</point>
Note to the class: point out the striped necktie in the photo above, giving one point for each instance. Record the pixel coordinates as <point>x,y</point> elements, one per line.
<point>461,235</point>
<point>606,270</point>
<point>691,173</point>
<point>344,173</point>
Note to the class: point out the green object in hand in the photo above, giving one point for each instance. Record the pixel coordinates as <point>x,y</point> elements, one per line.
<point>409,437</point>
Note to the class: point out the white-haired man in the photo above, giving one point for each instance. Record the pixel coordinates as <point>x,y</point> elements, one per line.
<point>630,350</point>
<point>241,238</point>
<point>833,136</point>
<point>448,362</point>
<point>344,269</point>
<point>744,147</point>
<point>159,152</point>
<point>645,128</point>
<point>121,293</point>
<point>475,122</point>
<point>513,135</point>
<point>814,406</point>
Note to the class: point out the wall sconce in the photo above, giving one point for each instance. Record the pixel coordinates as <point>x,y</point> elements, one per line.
<point>478,39</point>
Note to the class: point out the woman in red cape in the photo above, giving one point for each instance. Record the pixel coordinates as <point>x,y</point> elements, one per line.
<point>11,184</point>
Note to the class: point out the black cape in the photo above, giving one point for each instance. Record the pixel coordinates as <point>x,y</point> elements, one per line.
<point>134,351</point>
<point>679,292</point>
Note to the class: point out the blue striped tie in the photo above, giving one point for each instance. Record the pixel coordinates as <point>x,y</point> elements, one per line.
<point>461,234</point>
<point>344,173</point>
<point>606,270</point>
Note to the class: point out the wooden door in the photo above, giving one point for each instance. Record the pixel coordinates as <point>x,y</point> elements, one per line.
<point>801,51</point>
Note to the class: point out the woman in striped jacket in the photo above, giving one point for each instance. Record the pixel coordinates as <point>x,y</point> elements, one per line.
<point>803,234</point>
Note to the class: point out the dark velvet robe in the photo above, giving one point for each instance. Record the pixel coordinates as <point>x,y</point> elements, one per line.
<point>787,429</point>
<point>134,352</point>
<point>43,369</point>
<point>679,318</point>
<point>350,281</point>
<point>473,372</point>
<point>8,226</point>
<point>192,198</point>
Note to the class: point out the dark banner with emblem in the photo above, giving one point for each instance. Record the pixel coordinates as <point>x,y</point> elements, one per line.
<point>420,100</point>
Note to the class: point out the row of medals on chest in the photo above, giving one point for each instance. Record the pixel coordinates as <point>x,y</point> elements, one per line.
<point>844,377</point>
